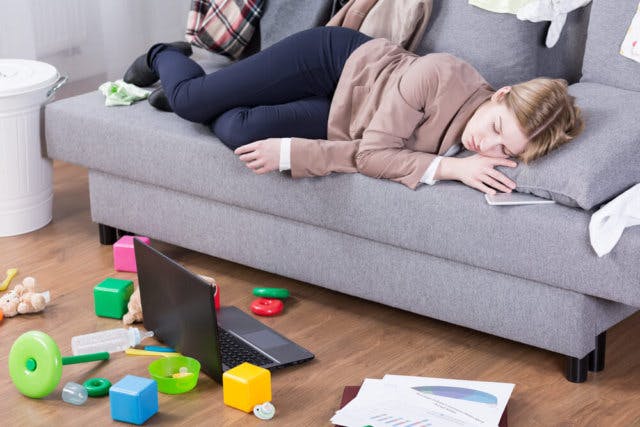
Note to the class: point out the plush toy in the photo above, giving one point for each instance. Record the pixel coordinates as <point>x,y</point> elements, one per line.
<point>135,309</point>
<point>24,299</point>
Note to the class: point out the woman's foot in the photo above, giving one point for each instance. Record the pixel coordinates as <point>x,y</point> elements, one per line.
<point>159,100</point>
<point>141,74</point>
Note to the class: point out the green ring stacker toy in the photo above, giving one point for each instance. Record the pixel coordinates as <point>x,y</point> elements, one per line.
<point>35,363</point>
<point>279,293</point>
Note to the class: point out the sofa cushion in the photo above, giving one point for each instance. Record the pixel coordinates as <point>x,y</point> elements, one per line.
<point>282,18</point>
<point>511,53</point>
<point>548,243</point>
<point>603,62</point>
<point>601,163</point>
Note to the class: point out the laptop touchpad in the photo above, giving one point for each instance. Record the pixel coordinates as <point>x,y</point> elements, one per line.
<point>265,339</point>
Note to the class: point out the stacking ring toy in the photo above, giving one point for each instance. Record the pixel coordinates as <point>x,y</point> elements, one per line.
<point>267,306</point>
<point>280,293</point>
<point>97,387</point>
<point>35,363</point>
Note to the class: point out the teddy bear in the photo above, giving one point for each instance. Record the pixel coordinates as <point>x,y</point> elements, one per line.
<point>23,299</point>
<point>134,313</point>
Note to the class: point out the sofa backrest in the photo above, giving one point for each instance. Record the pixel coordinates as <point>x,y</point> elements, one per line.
<point>285,17</point>
<point>504,49</point>
<point>603,62</point>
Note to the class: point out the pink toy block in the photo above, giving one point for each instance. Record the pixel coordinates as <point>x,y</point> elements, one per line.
<point>124,259</point>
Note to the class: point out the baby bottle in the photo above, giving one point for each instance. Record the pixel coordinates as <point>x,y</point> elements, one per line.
<point>111,340</point>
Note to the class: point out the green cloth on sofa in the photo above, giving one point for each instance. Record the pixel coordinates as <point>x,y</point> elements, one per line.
<point>121,93</point>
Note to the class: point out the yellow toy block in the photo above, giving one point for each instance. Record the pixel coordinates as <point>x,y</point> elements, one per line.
<point>246,386</point>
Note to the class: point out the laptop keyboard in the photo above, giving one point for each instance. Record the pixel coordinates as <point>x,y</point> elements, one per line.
<point>234,351</point>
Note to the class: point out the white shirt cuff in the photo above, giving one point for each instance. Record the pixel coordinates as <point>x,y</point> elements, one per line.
<point>285,154</point>
<point>427,178</point>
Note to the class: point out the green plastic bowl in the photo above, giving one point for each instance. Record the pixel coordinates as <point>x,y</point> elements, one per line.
<point>162,370</point>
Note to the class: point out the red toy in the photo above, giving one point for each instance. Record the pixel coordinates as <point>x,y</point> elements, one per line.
<point>267,306</point>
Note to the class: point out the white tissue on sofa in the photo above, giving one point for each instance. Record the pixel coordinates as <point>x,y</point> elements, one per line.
<point>608,223</point>
<point>550,10</point>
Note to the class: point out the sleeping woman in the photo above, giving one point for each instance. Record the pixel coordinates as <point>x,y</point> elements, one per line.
<point>331,99</point>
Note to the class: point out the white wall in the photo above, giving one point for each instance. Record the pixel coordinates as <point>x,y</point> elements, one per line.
<point>91,41</point>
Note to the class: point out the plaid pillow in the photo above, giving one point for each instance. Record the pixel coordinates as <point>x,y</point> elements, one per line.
<point>223,26</point>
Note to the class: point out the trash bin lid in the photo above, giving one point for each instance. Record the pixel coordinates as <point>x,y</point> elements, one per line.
<point>19,76</point>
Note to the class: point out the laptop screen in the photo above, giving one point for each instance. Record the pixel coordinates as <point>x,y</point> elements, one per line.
<point>178,307</point>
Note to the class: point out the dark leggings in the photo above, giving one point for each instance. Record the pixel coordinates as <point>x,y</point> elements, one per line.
<point>282,91</point>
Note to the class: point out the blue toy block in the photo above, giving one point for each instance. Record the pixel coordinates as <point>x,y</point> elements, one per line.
<point>133,399</point>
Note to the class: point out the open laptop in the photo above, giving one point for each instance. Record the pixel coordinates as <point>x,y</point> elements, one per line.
<point>179,308</point>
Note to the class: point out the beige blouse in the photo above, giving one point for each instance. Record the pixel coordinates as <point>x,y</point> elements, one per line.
<point>392,113</point>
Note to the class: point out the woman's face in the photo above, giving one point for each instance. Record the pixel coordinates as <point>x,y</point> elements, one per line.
<point>493,130</point>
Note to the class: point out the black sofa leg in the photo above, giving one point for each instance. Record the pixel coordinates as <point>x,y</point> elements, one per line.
<point>108,234</point>
<point>596,357</point>
<point>576,369</point>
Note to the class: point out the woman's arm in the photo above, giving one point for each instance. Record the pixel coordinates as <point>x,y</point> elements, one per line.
<point>308,157</point>
<point>382,152</point>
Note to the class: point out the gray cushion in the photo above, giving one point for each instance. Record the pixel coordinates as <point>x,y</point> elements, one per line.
<point>513,52</point>
<point>549,244</point>
<point>602,60</point>
<point>601,163</point>
<point>284,17</point>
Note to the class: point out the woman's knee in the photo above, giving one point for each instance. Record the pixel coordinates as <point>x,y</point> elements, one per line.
<point>186,106</point>
<point>230,129</point>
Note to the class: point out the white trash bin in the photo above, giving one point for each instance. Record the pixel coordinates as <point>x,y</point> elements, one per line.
<point>26,191</point>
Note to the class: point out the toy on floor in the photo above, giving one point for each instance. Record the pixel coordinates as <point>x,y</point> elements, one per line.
<point>97,387</point>
<point>11,273</point>
<point>266,411</point>
<point>111,340</point>
<point>134,309</point>
<point>110,297</point>
<point>35,363</point>
<point>216,293</point>
<point>267,306</point>
<point>24,299</point>
<point>270,301</point>
<point>279,293</point>
<point>246,386</point>
<point>175,375</point>
<point>138,352</point>
<point>124,258</point>
<point>133,399</point>
<point>74,393</point>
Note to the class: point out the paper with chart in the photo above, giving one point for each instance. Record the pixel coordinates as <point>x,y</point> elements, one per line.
<point>475,402</point>
<point>425,402</point>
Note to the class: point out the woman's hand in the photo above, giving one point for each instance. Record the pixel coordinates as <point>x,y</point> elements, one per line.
<point>261,156</point>
<point>477,172</point>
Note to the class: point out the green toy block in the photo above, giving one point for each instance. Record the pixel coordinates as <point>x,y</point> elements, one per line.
<point>111,296</point>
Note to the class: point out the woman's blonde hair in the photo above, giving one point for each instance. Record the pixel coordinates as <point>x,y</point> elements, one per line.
<point>546,113</point>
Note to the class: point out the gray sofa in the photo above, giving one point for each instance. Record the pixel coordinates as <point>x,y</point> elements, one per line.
<point>526,273</point>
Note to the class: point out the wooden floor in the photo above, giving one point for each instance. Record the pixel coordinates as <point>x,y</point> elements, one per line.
<point>353,339</point>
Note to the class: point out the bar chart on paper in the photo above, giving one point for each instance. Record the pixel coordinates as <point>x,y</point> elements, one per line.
<point>385,419</point>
